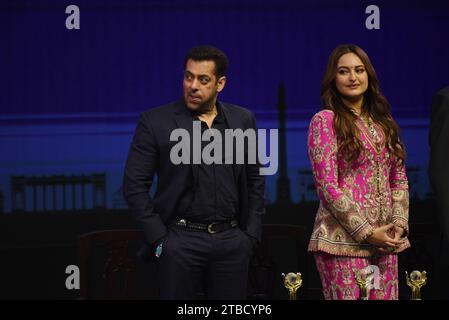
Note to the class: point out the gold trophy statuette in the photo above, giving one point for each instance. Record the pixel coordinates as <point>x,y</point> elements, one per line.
<point>292,281</point>
<point>360,279</point>
<point>415,282</point>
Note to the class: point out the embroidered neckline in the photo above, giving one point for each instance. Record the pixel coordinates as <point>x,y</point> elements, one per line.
<point>372,132</point>
<point>375,137</point>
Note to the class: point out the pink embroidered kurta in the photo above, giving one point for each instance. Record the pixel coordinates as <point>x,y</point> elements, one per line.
<point>354,198</point>
<point>338,276</point>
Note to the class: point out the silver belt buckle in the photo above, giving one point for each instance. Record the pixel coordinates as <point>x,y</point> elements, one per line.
<point>210,226</point>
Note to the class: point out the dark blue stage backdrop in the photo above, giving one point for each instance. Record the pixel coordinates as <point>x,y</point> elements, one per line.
<point>70,98</point>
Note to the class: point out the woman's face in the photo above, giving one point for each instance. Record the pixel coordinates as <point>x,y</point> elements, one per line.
<point>351,79</point>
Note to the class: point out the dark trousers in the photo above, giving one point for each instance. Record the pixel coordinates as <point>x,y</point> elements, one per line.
<point>196,262</point>
<point>439,279</point>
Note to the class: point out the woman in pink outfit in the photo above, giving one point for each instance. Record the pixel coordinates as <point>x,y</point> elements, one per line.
<point>358,165</point>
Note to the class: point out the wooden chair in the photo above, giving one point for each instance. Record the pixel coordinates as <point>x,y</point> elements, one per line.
<point>283,249</point>
<point>109,253</point>
<point>118,269</point>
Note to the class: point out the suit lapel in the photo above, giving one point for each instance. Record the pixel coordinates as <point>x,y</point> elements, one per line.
<point>231,120</point>
<point>184,120</point>
<point>233,123</point>
<point>183,117</point>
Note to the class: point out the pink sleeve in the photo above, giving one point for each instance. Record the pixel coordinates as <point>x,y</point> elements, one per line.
<point>322,144</point>
<point>399,194</point>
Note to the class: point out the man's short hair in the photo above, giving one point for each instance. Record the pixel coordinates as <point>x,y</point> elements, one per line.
<point>209,53</point>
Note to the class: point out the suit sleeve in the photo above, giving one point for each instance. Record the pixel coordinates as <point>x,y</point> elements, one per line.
<point>439,158</point>
<point>322,147</point>
<point>399,195</point>
<point>140,168</point>
<point>256,194</point>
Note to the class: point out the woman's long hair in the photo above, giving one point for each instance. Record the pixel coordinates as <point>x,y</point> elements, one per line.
<point>374,104</point>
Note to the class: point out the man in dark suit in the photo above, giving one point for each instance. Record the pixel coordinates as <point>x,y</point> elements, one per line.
<point>439,178</point>
<point>205,218</point>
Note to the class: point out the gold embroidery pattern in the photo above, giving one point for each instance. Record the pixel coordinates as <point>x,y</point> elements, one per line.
<point>338,282</point>
<point>354,198</point>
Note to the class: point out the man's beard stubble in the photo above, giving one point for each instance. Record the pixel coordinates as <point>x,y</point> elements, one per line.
<point>206,107</point>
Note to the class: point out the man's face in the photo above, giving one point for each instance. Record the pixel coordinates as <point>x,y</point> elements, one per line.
<point>201,85</point>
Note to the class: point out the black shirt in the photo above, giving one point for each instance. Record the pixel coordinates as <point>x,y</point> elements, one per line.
<point>215,194</point>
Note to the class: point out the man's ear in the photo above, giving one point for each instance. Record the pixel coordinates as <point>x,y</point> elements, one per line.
<point>221,83</point>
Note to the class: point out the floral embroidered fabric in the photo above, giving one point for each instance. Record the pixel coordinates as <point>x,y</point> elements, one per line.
<point>355,198</point>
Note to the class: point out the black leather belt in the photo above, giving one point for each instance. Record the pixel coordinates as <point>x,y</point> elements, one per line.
<point>211,228</point>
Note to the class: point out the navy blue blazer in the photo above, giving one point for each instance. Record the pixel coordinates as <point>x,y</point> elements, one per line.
<point>438,164</point>
<point>149,155</point>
